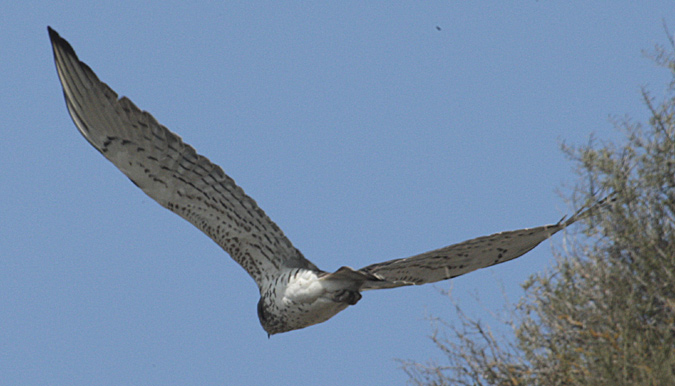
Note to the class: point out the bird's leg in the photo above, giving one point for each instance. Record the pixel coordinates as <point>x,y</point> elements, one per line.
<point>347,296</point>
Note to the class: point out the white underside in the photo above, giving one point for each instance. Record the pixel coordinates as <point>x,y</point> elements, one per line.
<point>305,287</point>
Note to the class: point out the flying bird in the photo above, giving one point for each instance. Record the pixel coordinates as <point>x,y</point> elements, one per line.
<point>294,293</point>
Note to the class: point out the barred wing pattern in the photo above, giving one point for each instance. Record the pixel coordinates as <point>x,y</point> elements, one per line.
<point>458,259</point>
<point>171,172</point>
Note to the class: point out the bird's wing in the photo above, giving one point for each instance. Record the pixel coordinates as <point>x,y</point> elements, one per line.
<point>171,172</point>
<point>458,259</point>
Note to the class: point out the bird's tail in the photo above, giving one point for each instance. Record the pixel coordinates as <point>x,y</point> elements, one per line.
<point>350,278</point>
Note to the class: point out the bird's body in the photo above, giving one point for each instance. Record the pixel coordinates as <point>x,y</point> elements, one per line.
<point>294,293</point>
<point>304,299</point>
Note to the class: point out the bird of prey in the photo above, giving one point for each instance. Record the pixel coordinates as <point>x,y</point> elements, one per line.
<point>294,293</point>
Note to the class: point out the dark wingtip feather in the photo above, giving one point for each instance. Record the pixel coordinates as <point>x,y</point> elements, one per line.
<point>53,35</point>
<point>59,42</point>
<point>62,50</point>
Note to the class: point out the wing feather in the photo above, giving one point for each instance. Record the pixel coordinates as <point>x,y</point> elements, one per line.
<point>458,259</point>
<point>171,172</point>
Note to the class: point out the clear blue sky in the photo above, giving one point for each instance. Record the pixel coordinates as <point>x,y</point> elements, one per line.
<point>364,131</point>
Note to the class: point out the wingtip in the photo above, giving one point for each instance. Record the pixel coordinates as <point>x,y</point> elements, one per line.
<point>53,35</point>
<point>586,211</point>
<point>59,42</point>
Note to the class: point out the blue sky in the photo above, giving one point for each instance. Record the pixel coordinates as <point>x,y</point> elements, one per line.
<point>364,131</point>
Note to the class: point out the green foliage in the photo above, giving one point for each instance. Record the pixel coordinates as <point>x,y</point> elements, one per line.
<point>605,313</point>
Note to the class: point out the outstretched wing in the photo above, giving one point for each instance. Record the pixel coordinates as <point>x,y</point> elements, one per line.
<point>171,172</point>
<point>458,259</point>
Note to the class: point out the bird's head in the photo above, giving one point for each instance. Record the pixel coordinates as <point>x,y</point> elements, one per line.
<point>268,320</point>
